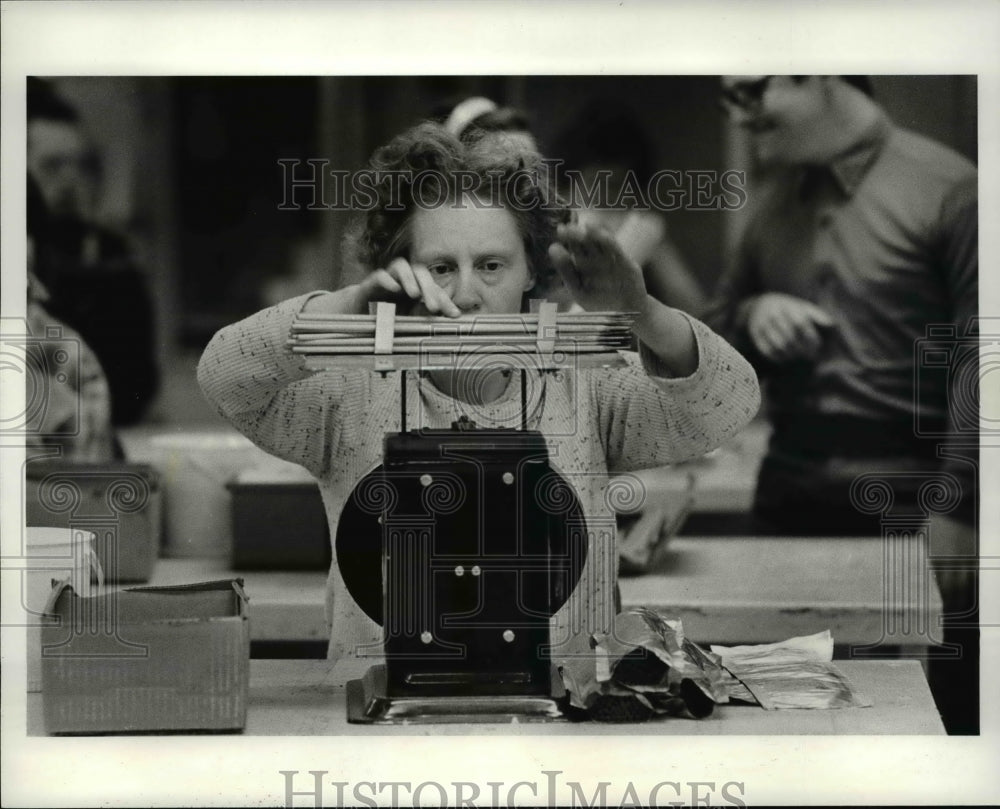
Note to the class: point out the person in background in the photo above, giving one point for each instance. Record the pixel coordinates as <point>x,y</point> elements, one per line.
<point>72,413</point>
<point>681,395</point>
<point>605,143</point>
<point>93,283</point>
<point>866,235</point>
<point>477,115</point>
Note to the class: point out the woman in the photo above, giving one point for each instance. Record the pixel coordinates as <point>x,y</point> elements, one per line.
<point>473,235</point>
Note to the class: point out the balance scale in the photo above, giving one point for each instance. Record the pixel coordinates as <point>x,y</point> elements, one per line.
<point>462,545</point>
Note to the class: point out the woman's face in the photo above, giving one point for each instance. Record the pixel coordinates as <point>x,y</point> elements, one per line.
<point>476,254</point>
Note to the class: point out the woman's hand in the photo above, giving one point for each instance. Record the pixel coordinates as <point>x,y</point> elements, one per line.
<point>402,281</point>
<point>599,275</point>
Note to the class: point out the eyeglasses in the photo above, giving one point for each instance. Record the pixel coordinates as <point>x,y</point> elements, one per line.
<point>746,95</point>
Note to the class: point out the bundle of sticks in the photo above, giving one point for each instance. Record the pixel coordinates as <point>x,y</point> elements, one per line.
<point>328,340</point>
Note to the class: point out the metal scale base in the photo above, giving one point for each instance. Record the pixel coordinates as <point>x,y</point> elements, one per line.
<point>369,704</point>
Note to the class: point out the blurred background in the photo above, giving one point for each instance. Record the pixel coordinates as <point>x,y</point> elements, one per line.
<point>159,212</point>
<point>185,170</point>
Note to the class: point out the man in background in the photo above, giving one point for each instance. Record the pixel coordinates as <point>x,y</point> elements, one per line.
<point>865,234</point>
<point>73,422</point>
<point>93,283</point>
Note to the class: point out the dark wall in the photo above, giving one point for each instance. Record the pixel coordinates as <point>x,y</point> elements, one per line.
<point>679,114</point>
<point>229,133</point>
<point>941,107</point>
<point>209,162</point>
<point>681,118</point>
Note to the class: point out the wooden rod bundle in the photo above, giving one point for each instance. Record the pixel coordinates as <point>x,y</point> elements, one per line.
<point>382,333</point>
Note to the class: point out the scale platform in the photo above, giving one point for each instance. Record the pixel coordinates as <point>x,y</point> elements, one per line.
<point>369,703</point>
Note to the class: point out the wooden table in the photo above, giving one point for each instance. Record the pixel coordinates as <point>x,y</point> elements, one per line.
<point>724,589</point>
<point>763,589</point>
<point>306,698</point>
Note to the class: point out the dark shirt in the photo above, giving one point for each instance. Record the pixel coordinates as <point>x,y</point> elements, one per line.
<point>96,288</point>
<point>885,240</point>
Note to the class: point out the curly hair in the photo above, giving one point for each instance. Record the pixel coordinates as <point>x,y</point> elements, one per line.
<point>428,166</point>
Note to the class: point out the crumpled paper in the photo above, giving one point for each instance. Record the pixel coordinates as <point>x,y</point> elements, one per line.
<point>795,673</point>
<point>645,667</point>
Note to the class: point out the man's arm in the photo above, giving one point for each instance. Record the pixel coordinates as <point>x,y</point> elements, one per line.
<point>959,260</point>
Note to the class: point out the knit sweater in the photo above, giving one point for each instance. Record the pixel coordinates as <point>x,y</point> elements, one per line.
<point>597,423</point>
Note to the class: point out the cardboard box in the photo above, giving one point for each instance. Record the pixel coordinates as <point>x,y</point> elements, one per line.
<point>55,554</point>
<point>119,502</point>
<point>279,522</point>
<point>146,659</point>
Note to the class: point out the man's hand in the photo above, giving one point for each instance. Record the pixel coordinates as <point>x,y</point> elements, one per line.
<point>783,327</point>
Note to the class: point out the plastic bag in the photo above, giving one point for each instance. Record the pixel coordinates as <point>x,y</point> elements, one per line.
<point>645,667</point>
<point>796,673</point>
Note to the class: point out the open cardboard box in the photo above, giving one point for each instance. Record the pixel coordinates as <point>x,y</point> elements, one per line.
<point>146,659</point>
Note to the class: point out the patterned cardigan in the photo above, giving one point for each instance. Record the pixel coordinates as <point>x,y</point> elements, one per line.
<point>597,423</point>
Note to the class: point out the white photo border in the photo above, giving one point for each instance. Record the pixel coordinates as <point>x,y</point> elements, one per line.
<point>348,38</point>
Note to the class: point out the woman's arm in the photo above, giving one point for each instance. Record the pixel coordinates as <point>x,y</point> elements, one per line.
<point>261,388</point>
<point>688,391</point>
<point>647,419</point>
<point>602,278</point>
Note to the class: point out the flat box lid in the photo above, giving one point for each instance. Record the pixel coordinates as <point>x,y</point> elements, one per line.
<point>273,475</point>
<point>142,605</point>
<point>55,537</point>
<point>39,470</point>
